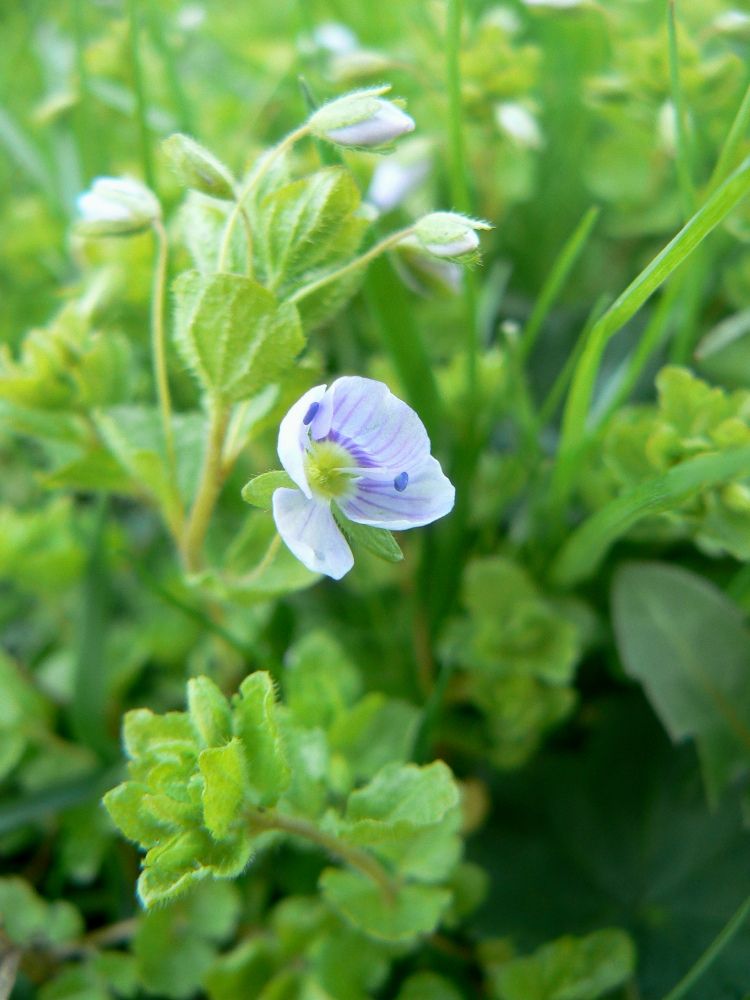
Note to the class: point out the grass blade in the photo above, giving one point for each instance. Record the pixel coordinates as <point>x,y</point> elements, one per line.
<point>705,220</point>
<point>582,553</point>
<point>557,278</point>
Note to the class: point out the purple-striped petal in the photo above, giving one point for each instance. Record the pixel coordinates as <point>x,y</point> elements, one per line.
<point>428,495</point>
<point>293,436</point>
<point>376,427</point>
<point>309,531</point>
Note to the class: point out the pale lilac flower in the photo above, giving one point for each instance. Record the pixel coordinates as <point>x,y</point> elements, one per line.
<point>354,444</point>
<point>396,177</point>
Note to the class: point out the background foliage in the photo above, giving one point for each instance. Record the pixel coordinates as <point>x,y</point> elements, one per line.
<point>513,764</point>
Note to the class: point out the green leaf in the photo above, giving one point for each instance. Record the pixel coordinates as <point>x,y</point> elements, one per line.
<point>209,712</point>
<point>305,223</point>
<point>176,944</point>
<point>582,553</point>
<point>225,780</point>
<point>125,805</point>
<point>374,732</point>
<point>569,969</point>
<point>257,726</point>
<point>320,681</point>
<point>710,215</point>
<point>409,815</point>
<point>379,541</point>
<point>260,490</point>
<point>27,919</point>
<point>415,911</point>
<point>428,986</point>
<point>232,333</point>
<point>689,647</point>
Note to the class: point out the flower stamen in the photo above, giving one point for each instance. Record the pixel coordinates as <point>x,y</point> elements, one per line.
<point>401,482</point>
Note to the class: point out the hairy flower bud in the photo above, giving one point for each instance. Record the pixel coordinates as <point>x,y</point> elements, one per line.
<point>449,234</point>
<point>197,168</point>
<point>361,120</point>
<point>116,206</point>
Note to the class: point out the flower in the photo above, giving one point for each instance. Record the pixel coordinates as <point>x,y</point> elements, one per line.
<point>116,206</point>
<point>361,120</point>
<point>356,445</point>
<point>519,125</point>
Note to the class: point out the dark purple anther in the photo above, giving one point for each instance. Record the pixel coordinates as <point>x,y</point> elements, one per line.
<point>401,482</point>
<point>310,415</point>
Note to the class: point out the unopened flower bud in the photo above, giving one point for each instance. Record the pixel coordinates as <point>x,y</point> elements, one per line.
<point>197,168</point>
<point>395,178</point>
<point>422,272</point>
<point>519,125</point>
<point>116,206</point>
<point>448,234</point>
<point>361,120</point>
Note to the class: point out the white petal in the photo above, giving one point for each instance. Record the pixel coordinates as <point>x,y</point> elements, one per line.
<point>95,207</point>
<point>309,531</point>
<point>428,495</point>
<point>378,429</point>
<point>293,436</point>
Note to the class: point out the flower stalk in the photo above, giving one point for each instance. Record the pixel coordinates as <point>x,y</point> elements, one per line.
<point>355,857</point>
<point>209,487</point>
<point>158,341</point>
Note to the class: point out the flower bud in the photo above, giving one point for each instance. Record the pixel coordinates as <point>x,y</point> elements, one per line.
<point>197,168</point>
<point>361,120</point>
<point>116,206</point>
<point>519,125</point>
<point>395,178</point>
<point>448,234</point>
<point>422,272</point>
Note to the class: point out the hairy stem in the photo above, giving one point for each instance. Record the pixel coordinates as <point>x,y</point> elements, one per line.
<point>159,341</point>
<point>353,265</point>
<point>239,202</point>
<point>355,857</point>
<point>209,487</point>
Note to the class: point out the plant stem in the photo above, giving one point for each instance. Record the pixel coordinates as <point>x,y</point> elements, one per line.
<point>683,158</point>
<point>353,265</point>
<point>273,154</point>
<point>711,953</point>
<point>159,341</point>
<point>212,478</point>
<point>140,94</point>
<point>355,857</point>
<point>459,179</point>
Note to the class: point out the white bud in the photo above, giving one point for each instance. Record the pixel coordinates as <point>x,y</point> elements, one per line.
<point>559,4</point>
<point>335,38</point>
<point>423,273</point>
<point>116,206</point>
<point>394,179</point>
<point>449,234</point>
<point>362,120</point>
<point>733,22</point>
<point>666,127</point>
<point>519,125</point>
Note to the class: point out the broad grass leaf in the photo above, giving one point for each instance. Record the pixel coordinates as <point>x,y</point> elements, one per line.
<point>687,644</point>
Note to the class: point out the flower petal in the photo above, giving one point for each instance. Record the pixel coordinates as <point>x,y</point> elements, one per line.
<point>309,531</point>
<point>428,495</point>
<point>293,438</point>
<point>377,428</point>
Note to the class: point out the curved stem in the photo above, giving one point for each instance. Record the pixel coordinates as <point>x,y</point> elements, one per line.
<point>238,210</point>
<point>355,857</point>
<point>209,487</point>
<point>711,953</point>
<point>353,265</point>
<point>159,341</point>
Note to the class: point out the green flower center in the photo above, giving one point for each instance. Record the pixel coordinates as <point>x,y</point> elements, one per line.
<point>325,465</point>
